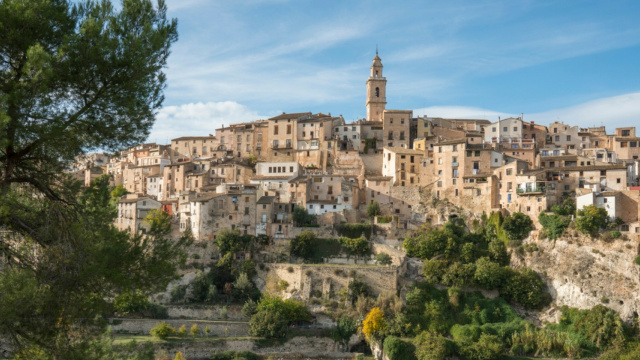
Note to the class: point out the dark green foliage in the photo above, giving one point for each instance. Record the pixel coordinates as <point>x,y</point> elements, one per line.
<point>615,234</point>
<point>591,219</point>
<point>373,209</point>
<point>354,230</point>
<point>517,226</point>
<point>355,247</point>
<point>302,245</point>
<point>358,288</point>
<point>235,355</point>
<point>568,207</point>
<point>488,347</point>
<point>302,217</point>
<point>345,327</point>
<point>637,260</point>
<point>249,308</point>
<point>554,224</point>
<point>489,274</point>
<point>525,287</point>
<point>131,302</point>
<point>398,349</point>
<point>229,241</point>
<point>430,346</point>
<point>599,325</point>
<point>498,252</point>
<point>383,259</point>
<point>274,314</point>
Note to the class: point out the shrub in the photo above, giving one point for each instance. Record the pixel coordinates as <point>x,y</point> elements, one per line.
<point>554,224</point>
<point>131,301</point>
<point>430,346</point>
<point>489,274</point>
<point>207,330</point>
<point>162,330</point>
<point>356,247</point>
<point>282,285</point>
<point>354,230</point>
<point>488,347</point>
<point>182,331</point>
<point>358,288</point>
<point>383,259</point>
<point>249,308</point>
<point>374,324</point>
<point>525,287</point>
<point>591,219</point>
<point>195,330</point>
<point>228,241</point>
<point>397,349</point>
<point>615,234</point>
<point>274,314</point>
<point>178,293</point>
<point>373,209</point>
<point>637,260</point>
<point>302,217</point>
<point>345,327</point>
<point>517,226</point>
<point>302,245</point>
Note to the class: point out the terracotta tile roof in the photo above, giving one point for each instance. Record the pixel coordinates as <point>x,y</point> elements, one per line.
<point>401,150</point>
<point>285,116</point>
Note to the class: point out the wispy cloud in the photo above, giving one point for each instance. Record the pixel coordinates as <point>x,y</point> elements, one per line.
<point>198,119</point>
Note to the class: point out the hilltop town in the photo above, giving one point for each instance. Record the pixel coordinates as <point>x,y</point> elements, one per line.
<point>251,176</point>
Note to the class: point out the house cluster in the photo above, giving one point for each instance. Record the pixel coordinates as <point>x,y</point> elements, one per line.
<point>251,176</point>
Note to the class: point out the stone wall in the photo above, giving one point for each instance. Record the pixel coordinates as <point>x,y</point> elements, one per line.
<point>306,280</point>
<point>205,312</point>
<point>143,326</point>
<point>297,348</point>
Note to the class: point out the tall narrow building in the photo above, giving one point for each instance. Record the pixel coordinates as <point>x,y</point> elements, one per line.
<point>376,91</point>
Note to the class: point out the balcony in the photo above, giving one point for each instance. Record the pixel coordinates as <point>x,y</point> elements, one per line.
<point>455,163</point>
<point>531,189</point>
<point>281,146</point>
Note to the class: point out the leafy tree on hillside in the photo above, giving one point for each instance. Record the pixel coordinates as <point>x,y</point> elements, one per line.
<point>591,219</point>
<point>554,224</point>
<point>273,315</point>
<point>345,327</point>
<point>302,245</point>
<point>373,209</point>
<point>228,241</point>
<point>374,325</point>
<point>74,76</point>
<point>301,216</point>
<point>517,226</point>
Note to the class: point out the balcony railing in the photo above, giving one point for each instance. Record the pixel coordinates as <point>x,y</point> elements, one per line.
<point>530,190</point>
<point>455,163</point>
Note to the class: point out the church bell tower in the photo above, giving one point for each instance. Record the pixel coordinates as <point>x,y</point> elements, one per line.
<point>376,91</point>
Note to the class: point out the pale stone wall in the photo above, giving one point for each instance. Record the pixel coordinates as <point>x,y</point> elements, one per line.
<point>143,326</point>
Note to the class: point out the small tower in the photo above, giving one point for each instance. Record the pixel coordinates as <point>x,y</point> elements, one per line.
<point>376,91</point>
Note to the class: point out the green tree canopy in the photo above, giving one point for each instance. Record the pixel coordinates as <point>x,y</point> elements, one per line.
<point>517,226</point>
<point>591,219</point>
<point>74,76</point>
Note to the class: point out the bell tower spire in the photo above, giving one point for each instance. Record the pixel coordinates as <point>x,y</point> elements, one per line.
<point>376,90</point>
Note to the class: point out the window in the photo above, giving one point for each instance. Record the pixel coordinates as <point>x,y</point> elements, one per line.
<point>377,92</point>
<point>618,180</point>
<point>515,128</point>
<point>626,132</point>
<point>275,132</point>
<point>505,129</point>
<point>557,138</point>
<point>493,129</point>
<point>288,129</point>
<point>604,200</point>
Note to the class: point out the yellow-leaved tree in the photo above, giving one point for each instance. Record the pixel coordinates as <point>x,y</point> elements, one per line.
<point>374,324</point>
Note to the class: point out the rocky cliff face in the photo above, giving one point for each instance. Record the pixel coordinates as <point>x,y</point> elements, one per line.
<point>582,272</point>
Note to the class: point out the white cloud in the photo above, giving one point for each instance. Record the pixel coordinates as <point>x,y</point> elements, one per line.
<point>615,111</point>
<point>198,119</point>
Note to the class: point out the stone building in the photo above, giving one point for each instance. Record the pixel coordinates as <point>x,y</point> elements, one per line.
<point>376,91</point>
<point>132,210</point>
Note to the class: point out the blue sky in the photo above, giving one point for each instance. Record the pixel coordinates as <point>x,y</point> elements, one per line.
<point>573,61</point>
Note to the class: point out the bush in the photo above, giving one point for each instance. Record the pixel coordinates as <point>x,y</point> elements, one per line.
<point>397,349</point>
<point>302,217</point>
<point>249,308</point>
<point>615,234</point>
<point>431,346</point>
<point>591,219</point>
<point>344,329</point>
<point>178,293</point>
<point>489,274</point>
<point>354,230</point>
<point>195,330</point>
<point>356,247</point>
<point>517,226</point>
<point>488,347</point>
<point>302,245</point>
<point>637,260</point>
<point>374,324</point>
<point>274,314</point>
<point>525,287</point>
<point>358,288</point>
<point>383,259</point>
<point>282,285</point>
<point>373,209</point>
<point>162,330</point>
<point>182,330</point>
<point>130,302</point>
<point>554,225</point>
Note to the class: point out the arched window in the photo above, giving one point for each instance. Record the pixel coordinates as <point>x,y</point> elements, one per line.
<point>377,92</point>
<point>376,73</point>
